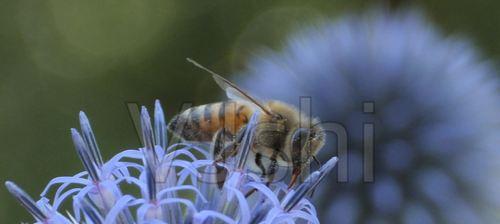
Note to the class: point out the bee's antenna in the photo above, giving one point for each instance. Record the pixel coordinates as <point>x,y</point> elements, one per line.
<point>316,160</point>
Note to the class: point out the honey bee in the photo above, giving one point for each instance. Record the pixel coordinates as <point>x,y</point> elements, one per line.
<point>283,137</point>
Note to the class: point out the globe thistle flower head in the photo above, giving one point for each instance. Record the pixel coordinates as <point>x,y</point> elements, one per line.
<point>431,101</point>
<point>177,183</point>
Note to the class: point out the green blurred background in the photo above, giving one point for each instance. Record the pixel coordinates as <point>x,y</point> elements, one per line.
<point>58,57</point>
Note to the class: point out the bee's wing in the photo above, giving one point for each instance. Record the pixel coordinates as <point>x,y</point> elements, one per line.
<point>232,90</point>
<point>235,93</point>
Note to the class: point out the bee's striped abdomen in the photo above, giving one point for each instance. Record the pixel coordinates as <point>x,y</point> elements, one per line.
<point>200,123</point>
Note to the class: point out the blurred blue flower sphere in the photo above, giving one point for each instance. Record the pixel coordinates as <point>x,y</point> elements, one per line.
<point>436,116</point>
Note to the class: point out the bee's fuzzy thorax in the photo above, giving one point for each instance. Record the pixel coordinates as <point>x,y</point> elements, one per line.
<point>295,117</point>
<point>299,119</point>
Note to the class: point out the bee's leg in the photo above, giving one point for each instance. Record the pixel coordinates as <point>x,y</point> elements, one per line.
<point>250,192</point>
<point>222,150</point>
<point>231,149</point>
<point>297,169</point>
<point>298,143</point>
<point>258,161</point>
<point>316,160</point>
<point>272,168</point>
<point>216,148</point>
<point>221,175</point>
<point>270,173</point>
<point>217,143</point>
<point>295,175</point>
